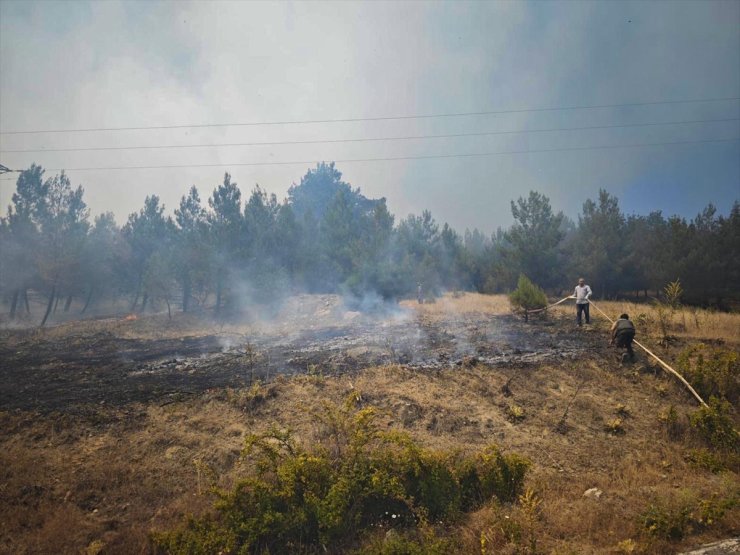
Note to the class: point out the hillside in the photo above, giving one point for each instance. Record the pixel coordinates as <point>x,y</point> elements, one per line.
<point>116,428</point>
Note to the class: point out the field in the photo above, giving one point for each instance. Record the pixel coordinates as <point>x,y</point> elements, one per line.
<point>114,428</point>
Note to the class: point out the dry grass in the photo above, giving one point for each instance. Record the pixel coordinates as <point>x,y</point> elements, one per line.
<point>72,481</point>
<point>697,324</point>
<point>79,482</point>
<point>462,304</point>
<point>101,481</point>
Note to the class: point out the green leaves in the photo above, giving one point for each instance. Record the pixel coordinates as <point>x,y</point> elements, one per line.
<point>527,295</point>
<point>357,477</point>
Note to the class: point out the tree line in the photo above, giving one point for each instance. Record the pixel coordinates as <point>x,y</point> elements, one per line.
<point>226,252</point>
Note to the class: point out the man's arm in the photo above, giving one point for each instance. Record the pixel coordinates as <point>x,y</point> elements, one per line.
<point>588,292</point>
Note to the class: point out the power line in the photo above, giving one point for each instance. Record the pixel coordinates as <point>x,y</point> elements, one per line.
<point>397,158</point>
<point>380,118</point>
<point>371,139</point>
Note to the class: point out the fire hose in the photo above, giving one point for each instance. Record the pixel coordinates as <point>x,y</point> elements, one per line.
<point>648,351</point>
<point>656,357</point>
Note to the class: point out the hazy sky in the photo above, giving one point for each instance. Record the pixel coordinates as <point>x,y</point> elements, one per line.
<point>72,65</point>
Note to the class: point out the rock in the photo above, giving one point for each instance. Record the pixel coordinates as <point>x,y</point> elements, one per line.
<point>592,493</point>
<point>717,548</point>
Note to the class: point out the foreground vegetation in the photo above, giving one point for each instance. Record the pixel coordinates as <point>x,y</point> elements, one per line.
<point>355,478</point>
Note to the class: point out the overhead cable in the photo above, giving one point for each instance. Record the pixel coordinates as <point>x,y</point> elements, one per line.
<point>370,139</point>
<point>379,118</point>
<point>397,158</point>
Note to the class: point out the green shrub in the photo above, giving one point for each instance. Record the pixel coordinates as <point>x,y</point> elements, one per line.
<point>674,520</point>
<point>423,542</point>
<point>712,371</point>
<point>714,425</point>
<point>527,295</point>
<point>491,474</point>
<point>706,460</point>
<point>357,478</point>
<point>203,536</point>
<point>666,523</point>
<point>673,293</point>
<point>514,413</point>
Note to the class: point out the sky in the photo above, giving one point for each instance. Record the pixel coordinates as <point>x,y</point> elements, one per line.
<point>617,66</point>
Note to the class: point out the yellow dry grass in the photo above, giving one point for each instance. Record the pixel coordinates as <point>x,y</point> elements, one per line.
<point>113,482</point>
<point>460,304</point>
<point>100,482</point>
<point>655,321</point>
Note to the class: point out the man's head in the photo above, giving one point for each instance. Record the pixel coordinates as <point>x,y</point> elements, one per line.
<point>581,282</point>
<point>624,317</point>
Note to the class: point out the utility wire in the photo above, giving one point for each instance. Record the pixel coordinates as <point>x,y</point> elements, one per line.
<point>397,158</point>
<point>371,139</point>
<point>380,118</point>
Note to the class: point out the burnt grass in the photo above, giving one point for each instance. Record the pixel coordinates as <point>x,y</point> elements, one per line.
<point>48,372</point>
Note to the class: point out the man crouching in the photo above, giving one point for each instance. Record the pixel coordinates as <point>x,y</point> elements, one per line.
<point>623,332</point>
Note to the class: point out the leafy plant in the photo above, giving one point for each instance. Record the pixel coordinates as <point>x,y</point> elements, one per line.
<point>712,371</point>
<point>418,542</point>
<point>706,460</point>
<point>358,477</point>
<point>714,425</point>
<point>664,322</point>
<point>673,520</point>
<point>527,295</point>
<point>666,523</point>
<point>614,426</point>
<point>622,410</point>
<point>514,413</point>
<point>673,293</point>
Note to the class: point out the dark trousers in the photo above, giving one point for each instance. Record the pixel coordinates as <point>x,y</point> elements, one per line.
<point>624,339</point>
<point>584,309</point>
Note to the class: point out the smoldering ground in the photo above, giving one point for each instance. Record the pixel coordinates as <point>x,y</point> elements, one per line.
<point>119,361</point>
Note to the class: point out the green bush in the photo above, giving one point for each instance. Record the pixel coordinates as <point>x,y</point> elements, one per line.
<point>712,371</point>
<point>358,478</point>
<point>527,295</point>
<point>667,524</point>
<point>714,425</point>
<point>423,542</point>
<point>707,460</point>
<point>674,520</point>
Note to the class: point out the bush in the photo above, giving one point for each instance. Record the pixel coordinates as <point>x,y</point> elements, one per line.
<point>712,371</point>
<point>706,460</point>
<point>418,543</point>
<point>527,295</point>
<point>300,500</point>
<point>714,425</point>
<point>673,520</point>
<point>667,524</point>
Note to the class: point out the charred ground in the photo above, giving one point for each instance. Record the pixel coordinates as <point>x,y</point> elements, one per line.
<point>96,363</point>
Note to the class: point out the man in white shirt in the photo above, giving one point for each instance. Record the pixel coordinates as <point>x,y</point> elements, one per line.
<point>582,294</point>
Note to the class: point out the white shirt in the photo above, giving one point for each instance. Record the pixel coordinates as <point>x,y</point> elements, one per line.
<point>582,294</point>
